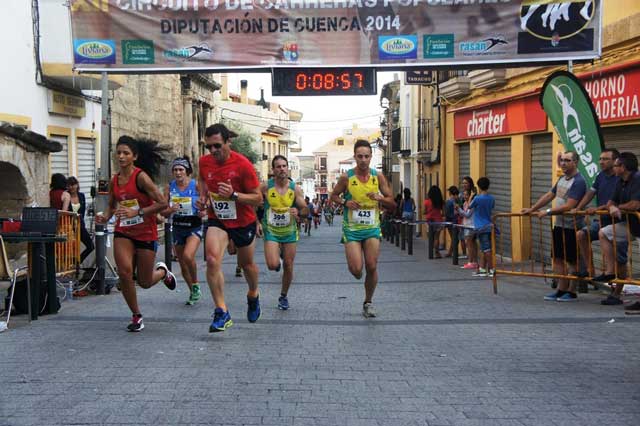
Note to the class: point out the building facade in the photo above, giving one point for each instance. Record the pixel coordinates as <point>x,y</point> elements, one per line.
<point>495,126</point>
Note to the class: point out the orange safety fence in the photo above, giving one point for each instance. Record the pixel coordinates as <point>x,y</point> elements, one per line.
<point>68,252</point>
<point>532,257</point>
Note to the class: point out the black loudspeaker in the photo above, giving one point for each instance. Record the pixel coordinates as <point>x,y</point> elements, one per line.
<point>20,299</point>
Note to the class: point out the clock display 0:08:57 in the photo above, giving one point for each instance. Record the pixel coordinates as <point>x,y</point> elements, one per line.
<point>320,81</point>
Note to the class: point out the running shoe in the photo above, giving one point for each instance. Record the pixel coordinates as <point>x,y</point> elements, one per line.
<point>221,321</point>
<point>481,273</point>
<point>136,324</point>
<point>368,311</point>
<point>238,271</point>
<point>552,297</point>
<point>611,300</point>
<point>195,295</point>
<point>633,309</point>
<point>253,308</point>
<point>568,297</point>
<point>470,265</point>
<point>283,303</point>
<point>169,279</point>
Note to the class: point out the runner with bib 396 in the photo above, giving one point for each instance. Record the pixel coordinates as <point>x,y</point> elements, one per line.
<point>281,196</point>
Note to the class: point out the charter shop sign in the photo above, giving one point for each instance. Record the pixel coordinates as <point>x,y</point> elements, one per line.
<point>508,118</point>
<point>126,35</point>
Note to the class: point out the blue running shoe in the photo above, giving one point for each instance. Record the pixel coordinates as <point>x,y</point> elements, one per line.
<point>568,297</point>
<point>221,321</point>
<point>283,303</point>
<point>253,309</point>
<point>552,297</point>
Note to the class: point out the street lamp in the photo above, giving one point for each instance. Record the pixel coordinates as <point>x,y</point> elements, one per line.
<point>383,126</point>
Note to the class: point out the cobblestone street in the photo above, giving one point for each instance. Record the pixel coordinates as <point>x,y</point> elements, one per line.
<point>444,350</point>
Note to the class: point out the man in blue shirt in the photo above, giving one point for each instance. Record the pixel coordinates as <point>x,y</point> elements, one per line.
<point>602,188</point>
<point>482,206</point>
<point>567,192</point>
<point>625,198</point>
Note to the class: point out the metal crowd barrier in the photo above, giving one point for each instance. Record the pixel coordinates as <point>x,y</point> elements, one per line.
<point>68,252</point>
<point>537,267</point>
<point>399,232</point>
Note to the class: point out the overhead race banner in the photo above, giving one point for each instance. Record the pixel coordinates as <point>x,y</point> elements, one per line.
<point>574,118</point>
<point>159,35</point>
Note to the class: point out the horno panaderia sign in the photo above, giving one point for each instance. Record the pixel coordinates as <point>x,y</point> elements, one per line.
<point>158,35</point>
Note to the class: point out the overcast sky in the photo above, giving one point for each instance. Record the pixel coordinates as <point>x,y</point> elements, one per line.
<point>324,116</point>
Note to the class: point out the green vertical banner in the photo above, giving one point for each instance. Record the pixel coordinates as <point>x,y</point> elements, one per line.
<point>571,111</point>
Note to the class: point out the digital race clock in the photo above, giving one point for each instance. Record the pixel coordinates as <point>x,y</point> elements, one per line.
<point>323,81</point>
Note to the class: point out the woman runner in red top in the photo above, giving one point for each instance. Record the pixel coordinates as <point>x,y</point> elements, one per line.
<point>134,200</point>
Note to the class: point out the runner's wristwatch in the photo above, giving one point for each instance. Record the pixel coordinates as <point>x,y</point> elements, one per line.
<point>234,196</point>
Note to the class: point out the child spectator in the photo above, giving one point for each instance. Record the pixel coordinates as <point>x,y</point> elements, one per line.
<point>468,233</point>
<point>433,212</point>
<point>482,206</point>
<point>451,214</point>
<point>408,206</point>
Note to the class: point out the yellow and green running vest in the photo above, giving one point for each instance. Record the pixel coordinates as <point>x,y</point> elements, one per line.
<point>367,217</point>
<point>278,221</point>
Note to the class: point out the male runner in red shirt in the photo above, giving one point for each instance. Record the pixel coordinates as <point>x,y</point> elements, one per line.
<point>229,187</point>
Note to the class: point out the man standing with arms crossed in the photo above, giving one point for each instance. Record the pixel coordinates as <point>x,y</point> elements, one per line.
<point>279,225</point>
<point>230,188</point>
<point>363,189</point>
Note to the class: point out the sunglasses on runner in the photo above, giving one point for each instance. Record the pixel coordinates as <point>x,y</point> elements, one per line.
<point>214,145</point>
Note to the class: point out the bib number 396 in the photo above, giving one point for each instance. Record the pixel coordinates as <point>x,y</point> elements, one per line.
<point>279,219</point>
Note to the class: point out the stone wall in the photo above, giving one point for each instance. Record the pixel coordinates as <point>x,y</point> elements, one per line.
<point>149,106</point>
<point>25,176</point>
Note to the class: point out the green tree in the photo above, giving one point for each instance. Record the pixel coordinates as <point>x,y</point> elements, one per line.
<point>244,142</point>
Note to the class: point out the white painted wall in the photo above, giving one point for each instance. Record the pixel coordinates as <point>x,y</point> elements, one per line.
<point>20,93</point>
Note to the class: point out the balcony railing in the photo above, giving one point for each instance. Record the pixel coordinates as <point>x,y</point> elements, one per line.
<point>448,75</point>
<point>395,140</point>
<point>318,168</point>
<point>425,134</point>
<point>405,140</point>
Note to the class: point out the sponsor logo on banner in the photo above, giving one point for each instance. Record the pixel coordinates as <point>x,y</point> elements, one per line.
<point>437,46</point>
<point>493,45</point>
<point>290,51</point>
<point>574,118</point>
<point>137,52</point>
<point>556,27</point>
<point>200,52</point>
<point>94,51</point>
<point>398,47</point>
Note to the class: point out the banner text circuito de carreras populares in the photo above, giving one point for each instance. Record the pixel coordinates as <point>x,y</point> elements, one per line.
<point>157,35</point>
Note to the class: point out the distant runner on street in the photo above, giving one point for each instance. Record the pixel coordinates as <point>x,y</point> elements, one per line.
<point>279,226</point>
<point>363,189</point>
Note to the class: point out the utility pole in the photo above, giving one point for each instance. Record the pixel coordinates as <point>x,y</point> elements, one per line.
<point>102,194</point>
